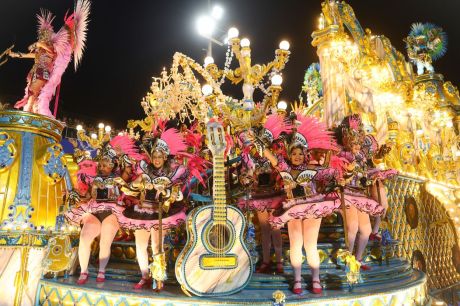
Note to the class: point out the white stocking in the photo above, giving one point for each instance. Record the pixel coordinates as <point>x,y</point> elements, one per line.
<point>142,242</point>
<point>310,240</point>
<point>108,231</point>
<point>90,230</point>
<point>295,242</point>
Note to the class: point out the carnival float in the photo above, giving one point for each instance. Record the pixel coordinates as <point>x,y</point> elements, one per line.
<point>352,197</point>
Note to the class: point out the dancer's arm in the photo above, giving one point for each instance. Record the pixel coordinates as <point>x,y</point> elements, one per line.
<point>21,55</point>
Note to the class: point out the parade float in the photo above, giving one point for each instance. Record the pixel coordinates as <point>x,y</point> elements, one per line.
<point>204,262</point>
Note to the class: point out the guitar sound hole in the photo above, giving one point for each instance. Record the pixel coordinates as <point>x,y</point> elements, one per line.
<point>219,238</point>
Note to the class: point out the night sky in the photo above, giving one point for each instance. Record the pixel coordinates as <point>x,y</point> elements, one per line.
<point>131,41</point>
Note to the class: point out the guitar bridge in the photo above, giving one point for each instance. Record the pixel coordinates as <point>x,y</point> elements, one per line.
<point>212,261</point>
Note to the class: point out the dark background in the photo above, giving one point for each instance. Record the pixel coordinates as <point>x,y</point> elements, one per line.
<point>131,41</point>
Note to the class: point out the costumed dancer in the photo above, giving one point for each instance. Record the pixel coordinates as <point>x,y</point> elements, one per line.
<point>374,157</point>
<point>160,180</point>
<point>98,208</point>
<point>309,186</point>
<point>264,191</point>
<point>52,54</point>
<point>359,206</point>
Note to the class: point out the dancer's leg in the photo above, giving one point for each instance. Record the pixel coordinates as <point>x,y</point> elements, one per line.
<point>90,230</point>
<point>352,226</point>
<point>265,231</point>
<point>295,242</point>
<point>142,242</point>
<point>108,231</point>
<point>364,232</point>
<point>310,241</point>
<point>156,241</point>
<point>383,202</point>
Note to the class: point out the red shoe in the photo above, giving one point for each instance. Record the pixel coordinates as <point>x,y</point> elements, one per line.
<point>265,268</point>
<point>100,277</point>
<point>279,268</point>
<point>316,290</point>
<point>83,279</point>
<point>143,283</point>
<point>365,267</point>
<point>375,237</point>
<point>297,290</point>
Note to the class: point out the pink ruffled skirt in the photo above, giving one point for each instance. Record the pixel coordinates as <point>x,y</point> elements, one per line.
<point>261,204</point>
<point>363,203</point>
<point>314,207</point>
<point>76,214</point>
<point>134,218</point>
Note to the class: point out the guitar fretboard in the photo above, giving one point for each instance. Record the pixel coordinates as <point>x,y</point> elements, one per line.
<point>219,194</point>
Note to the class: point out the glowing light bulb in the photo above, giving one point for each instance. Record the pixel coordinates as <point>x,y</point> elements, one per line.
<point>205,26</point>
<point>93,136</point>
<point>206,89</point>
<point>208,60</point>
<point>277,80</point>
<point>79,127</point>
<point>217,12</point>
<point>108,128</point>
<point>282,105</point>
<point>245,43</point>
<point>284,45</point>
<point>100,125</point>
<point>232,33</point>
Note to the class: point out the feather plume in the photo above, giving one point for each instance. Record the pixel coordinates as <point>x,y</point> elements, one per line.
<point>174,140</point>
<point>315,133</point>
<point>276,124</point>
<point>45,18</point>
<point>338,163</point>
<point>125,145</point>
<point>78,27</point>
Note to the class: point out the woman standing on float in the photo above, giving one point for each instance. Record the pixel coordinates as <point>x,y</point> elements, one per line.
<point>359,206</point>
<point>264,194</point>
<point>160,180</point>
<point>374,154</point>
<point>97,190</point>
<point>307,183</point>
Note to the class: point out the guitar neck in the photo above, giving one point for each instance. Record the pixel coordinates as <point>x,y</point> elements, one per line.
<point>219,194</point>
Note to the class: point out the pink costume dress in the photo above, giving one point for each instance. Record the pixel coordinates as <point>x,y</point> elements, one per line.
<point>312,198</point>
<point>145,215</point>
<point>359,181</point>
<point>103,205</point>
<point>263,194</point>
<point>370,150</point>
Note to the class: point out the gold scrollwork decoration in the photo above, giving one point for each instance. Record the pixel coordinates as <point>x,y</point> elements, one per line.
<point>58,254</point>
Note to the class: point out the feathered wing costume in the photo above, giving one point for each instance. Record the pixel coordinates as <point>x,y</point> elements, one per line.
<point>70,39</point>
<point>309,188</point>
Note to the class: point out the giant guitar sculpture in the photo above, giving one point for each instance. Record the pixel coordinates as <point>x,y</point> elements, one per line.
<point>215,260</point>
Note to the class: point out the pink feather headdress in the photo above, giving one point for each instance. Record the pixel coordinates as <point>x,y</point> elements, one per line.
<point>313,134</point>
<point>169,141</point>
<point>124,145</point>
<point>275,125</point>
<point>45,28</point>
